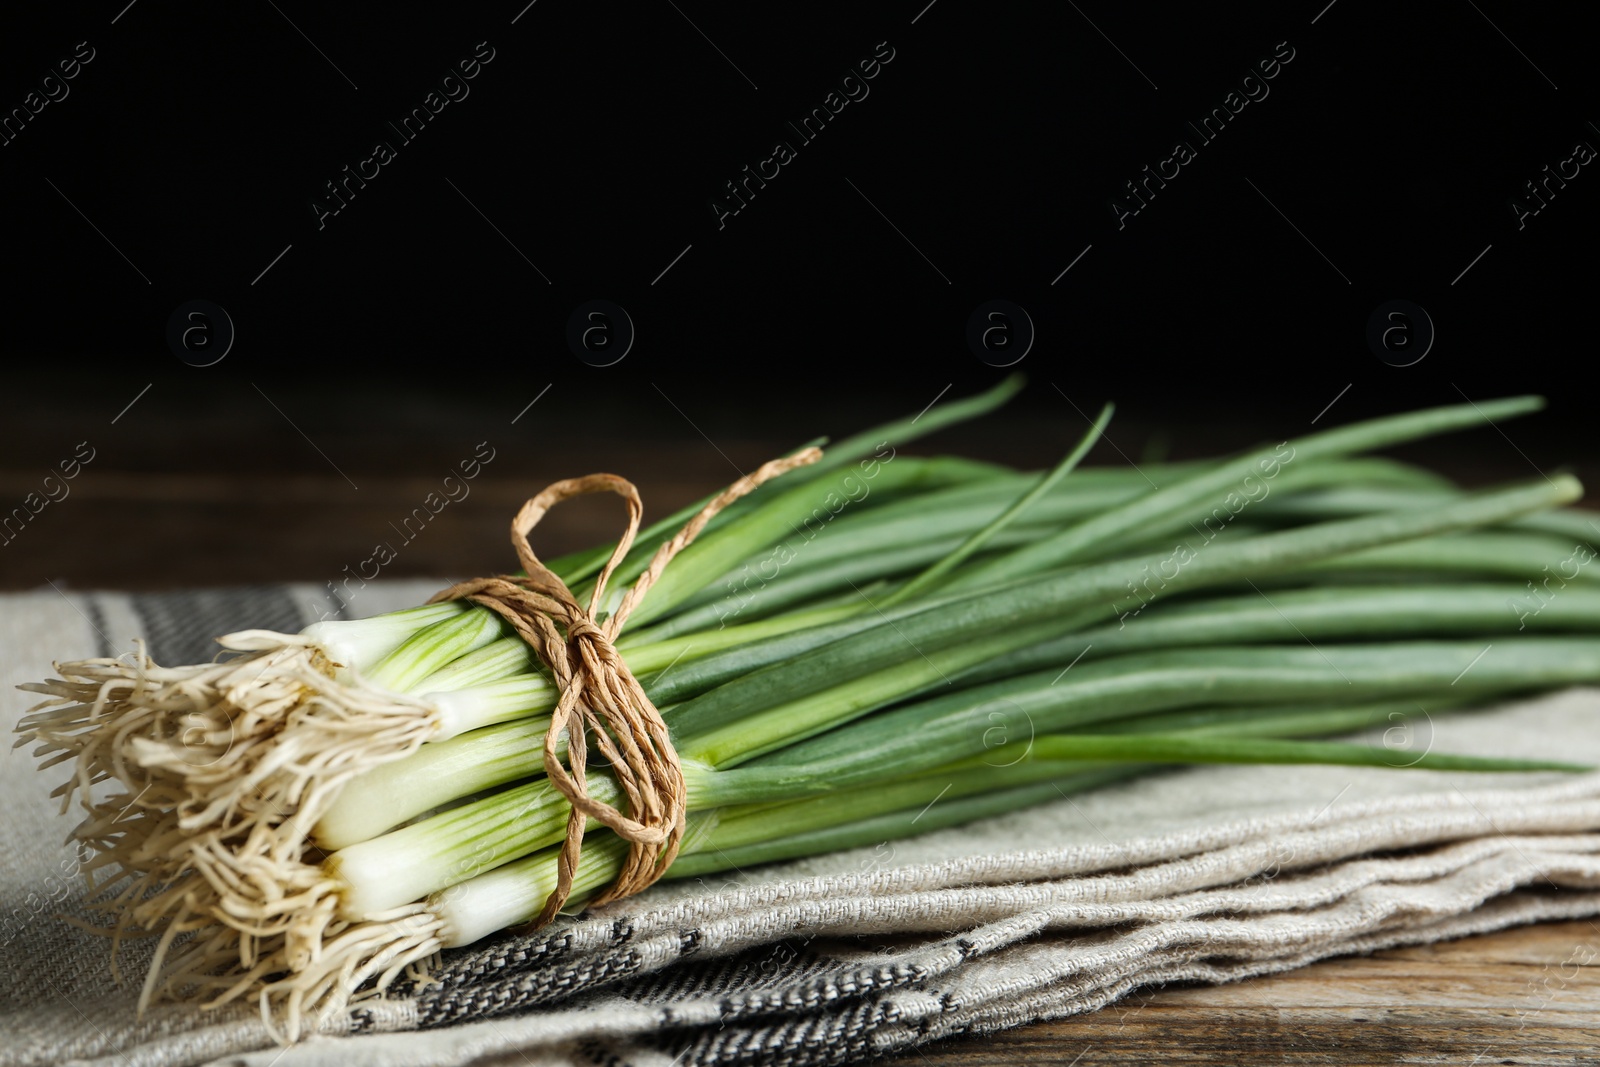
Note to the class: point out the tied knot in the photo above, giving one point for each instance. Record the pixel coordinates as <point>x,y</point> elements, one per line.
<point>584,627</point>
<point>601,702</point>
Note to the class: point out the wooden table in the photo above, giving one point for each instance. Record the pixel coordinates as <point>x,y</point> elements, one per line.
<point>260,503</point>
<point>1524,996</point>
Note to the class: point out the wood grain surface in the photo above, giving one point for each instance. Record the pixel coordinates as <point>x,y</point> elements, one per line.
<point>1530,995</point>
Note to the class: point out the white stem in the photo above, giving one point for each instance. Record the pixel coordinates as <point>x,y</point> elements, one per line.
<point>360,644</point>
<point>433,776</point>
<point>517,891</point>
<point>405,865</point>
<point>493,702</point>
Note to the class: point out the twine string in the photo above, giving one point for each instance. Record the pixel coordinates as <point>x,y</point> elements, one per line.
<point>600,698</point>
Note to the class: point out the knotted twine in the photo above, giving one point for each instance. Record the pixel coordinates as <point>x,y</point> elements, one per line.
<point>599,695</point>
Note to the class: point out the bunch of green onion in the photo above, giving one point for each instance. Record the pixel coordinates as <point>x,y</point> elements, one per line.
<point>873,646</point>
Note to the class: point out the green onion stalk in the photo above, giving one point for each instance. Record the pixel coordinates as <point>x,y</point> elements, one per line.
<point>871,646</point>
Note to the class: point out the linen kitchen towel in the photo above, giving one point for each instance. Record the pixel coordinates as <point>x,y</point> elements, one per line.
<point>1200,875</point>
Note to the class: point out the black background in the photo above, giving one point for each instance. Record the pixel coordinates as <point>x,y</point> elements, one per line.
<point>1234,307</point>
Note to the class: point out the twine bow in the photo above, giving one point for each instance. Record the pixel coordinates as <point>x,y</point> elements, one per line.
<point>599,695</point>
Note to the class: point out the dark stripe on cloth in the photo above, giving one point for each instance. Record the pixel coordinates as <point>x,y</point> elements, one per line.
<point>489,997</point>
<point>827,1039</point>
<point>97,619</point>
<point>785,1004</point>
<point>183,627</point>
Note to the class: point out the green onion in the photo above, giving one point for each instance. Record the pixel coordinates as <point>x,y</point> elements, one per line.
<point>931,577</point>
<point>787,693</point>
<point>1231,479</point>
<point>879,645</point>
<point>1316,614</point>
